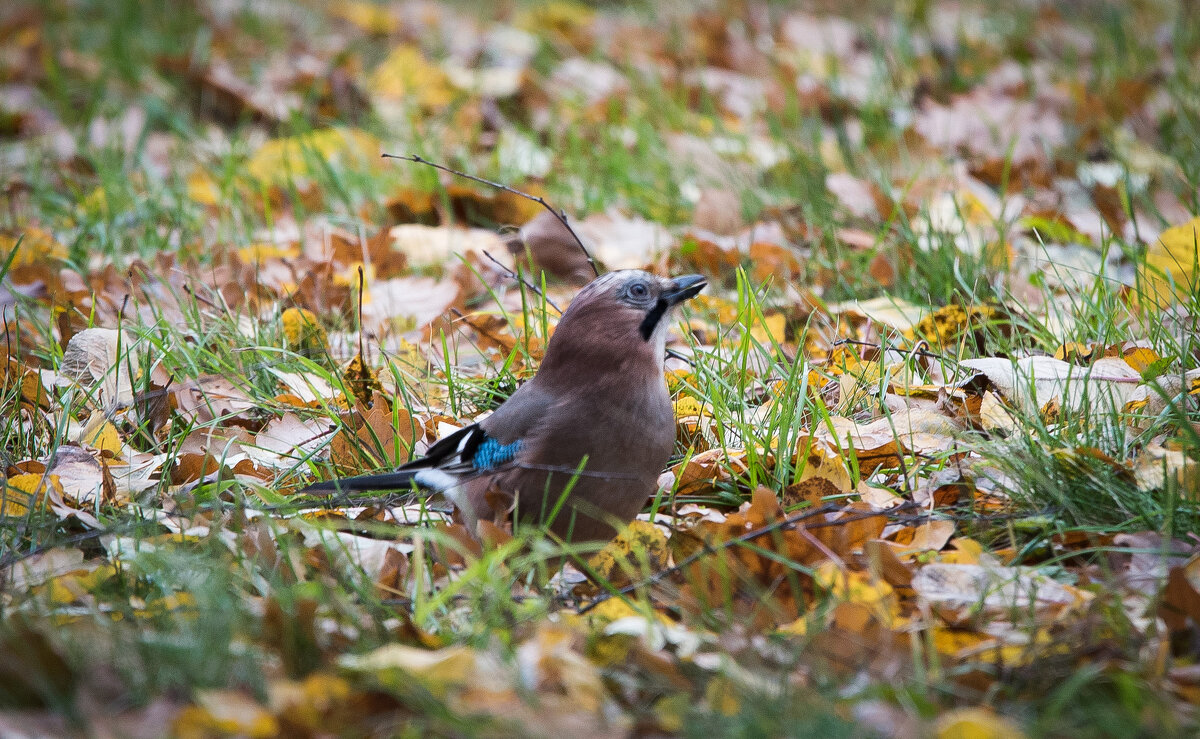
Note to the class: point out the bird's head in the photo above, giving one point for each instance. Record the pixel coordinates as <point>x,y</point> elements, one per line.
<point>621,314</point>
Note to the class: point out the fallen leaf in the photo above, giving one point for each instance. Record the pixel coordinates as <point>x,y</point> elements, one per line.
<point>1170,269</point>
<point>405,75</point>
<point>973,595</point>
<point>975,723</point>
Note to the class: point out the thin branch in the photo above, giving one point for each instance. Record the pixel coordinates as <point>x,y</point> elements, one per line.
<point>657,577</point>
<point>917,350</point>
<point>509,273</point>
<point>780,525</point>
<point>560,215</point>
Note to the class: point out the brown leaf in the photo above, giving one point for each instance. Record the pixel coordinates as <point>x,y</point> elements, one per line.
<point>360,379</point>
<point>393,576</point>
<point>376,436</point>
<point>881,556</point>
<point>703,470</point>
<point>210,397</point>
<point>290,628</point>
<point>718,211</point>
<point>701,255</point>
<point>774,262</point>
<point>545,244</point>
<point>32,671</point>
<point>931,536</point>
<point>408,205</point>
<point>812,490</point>
<point>192,467</point>
<point>32,392</point>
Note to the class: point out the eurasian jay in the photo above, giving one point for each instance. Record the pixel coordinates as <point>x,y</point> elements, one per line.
<point>581,445</point>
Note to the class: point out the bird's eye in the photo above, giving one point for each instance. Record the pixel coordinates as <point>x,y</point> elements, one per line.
<point>639,291</point>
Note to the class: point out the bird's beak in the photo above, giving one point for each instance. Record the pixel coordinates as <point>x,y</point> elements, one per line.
<point>684,288</point>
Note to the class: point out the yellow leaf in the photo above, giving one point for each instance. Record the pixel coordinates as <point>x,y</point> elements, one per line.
<point>95,203</point>
<point>303,702</point>
<point>301,330</point>
<point>99,433</point>
<point>262,251</point>
<point>770,331</point>
<point>671,710</point>
<point>678,379</point>
<point>641,545</point>
<point>363,382</point>
<point>861,588</point>
<point>846,362</point>
<point>726,311</point>
<point>571,20</point>
<point>722,696</point>
<point>948,324</point>
<point>799,627</point>
<point>203,189</point>
<point>224,713</point>
<point>1171,263</point>
<point>956,642</point>
<point>349,277</point>
<point>32,390</point>
<point>437,670</point>
<point>1140,358</point>
<point>369,17</point>
<point>22,493</point>
<point>819,459</point>
<point>407,75</point>
<point>281,159</point>
<point>177,604</point>
<point>689,406</point>
<point>613,609</point>
<point>75,586</point>
<point>976,723</point>
<point>965,552</point>
<point>408,354</point>
<point>37,245</point>
<point>1075,352</point>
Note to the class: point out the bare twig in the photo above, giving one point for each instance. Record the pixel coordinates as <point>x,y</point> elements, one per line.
<point>508,272</point>
<point>918,350</point>
<point>560,215</point>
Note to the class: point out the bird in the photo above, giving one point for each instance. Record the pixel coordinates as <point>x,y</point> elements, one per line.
<point>580,446</point>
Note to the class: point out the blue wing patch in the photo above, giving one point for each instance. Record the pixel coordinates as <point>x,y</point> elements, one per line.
<point>491,453</point>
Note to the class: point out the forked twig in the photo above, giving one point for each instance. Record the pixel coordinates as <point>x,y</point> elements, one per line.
<point>513,275</point>
<point>560,215</point>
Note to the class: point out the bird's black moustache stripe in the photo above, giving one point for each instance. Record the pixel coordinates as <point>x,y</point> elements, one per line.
<point>652,318</point>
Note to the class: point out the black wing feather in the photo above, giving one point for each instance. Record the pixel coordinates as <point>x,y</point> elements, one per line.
<point>450,453</point>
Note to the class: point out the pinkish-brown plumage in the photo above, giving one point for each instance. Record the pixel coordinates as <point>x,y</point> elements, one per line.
<point>593,428</point>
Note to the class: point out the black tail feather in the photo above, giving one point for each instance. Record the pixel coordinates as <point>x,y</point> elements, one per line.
<point>395,481</point>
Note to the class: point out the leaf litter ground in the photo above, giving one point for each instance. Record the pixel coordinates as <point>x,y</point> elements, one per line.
<point>938,412</point>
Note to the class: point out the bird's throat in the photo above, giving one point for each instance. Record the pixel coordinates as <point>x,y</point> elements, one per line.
<point>653,317</point>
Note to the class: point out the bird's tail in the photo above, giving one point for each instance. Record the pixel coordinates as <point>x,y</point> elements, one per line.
<point>394,481</point>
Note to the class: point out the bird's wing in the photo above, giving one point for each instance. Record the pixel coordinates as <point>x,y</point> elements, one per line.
<point>518,417</point>
<point>470,450</point>
<point>473,450</point>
